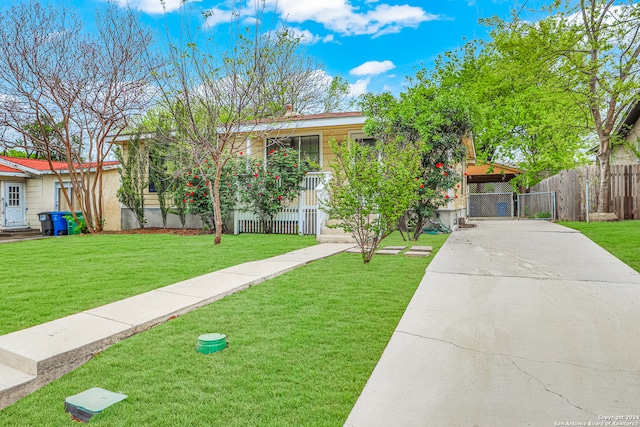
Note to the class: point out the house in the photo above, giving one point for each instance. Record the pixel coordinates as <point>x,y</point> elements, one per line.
<point>310,136</point>
<point>626,153</point>
<point>28,187</point>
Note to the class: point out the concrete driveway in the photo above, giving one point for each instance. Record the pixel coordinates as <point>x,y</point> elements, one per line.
<point>515,323</point>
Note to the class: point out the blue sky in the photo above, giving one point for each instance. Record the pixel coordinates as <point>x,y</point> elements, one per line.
<point>374,44</point>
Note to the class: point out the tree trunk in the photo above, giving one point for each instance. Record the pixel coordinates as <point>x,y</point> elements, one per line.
<point>216,204</point>
<point>604,192</point>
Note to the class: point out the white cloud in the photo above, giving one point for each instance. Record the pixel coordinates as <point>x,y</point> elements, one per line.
<point>307,37</point>
<point>359,87</point>
<point>217,16</point>
<point>341,17</point>
<point>328,38</point>
<point>152,6</point>
<point>372,68</point>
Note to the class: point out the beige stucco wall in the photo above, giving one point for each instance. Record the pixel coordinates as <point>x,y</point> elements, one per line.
<point>110,202</point>
<point>40,197</point>
<point>624,154</point>
<point>35,201</point>
<point>256,147</point>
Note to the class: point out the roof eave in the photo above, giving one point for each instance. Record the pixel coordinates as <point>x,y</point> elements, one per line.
<point>633,114</point>
<point>20,167</point>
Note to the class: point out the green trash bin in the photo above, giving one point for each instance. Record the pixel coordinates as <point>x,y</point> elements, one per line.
<point>72,226</point>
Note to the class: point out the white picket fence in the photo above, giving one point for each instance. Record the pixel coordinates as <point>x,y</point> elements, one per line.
<point>302,216</point>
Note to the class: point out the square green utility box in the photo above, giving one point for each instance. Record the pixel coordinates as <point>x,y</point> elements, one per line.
<point>83,406</point>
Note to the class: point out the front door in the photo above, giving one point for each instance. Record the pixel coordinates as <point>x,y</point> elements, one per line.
<point>13,204</point>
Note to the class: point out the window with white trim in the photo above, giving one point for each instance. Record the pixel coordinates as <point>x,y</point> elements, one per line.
<point>307,146</point>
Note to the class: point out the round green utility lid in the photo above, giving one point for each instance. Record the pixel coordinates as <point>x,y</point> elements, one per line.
<point>210,343</point>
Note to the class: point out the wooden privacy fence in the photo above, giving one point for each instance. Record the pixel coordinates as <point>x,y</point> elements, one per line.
<point>572,192</point>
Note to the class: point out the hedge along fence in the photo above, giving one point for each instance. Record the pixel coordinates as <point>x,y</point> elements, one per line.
<point>571,191</point>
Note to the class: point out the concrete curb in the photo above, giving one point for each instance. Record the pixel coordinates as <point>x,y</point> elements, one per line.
<point>33,357</point>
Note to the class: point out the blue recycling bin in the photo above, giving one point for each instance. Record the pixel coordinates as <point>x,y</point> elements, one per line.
<point>503,209</point>
<point>53,223</point>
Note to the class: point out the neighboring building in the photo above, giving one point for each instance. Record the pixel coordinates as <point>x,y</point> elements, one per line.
<point>627,152</point>
<point>28,187</point>
<point>310,136</point>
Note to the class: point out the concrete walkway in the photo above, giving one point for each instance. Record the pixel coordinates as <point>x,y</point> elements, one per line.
<point>33,357</point>
<point>516,323</point>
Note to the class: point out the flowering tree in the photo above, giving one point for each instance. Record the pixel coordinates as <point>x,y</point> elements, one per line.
<point>426,115</point>
<point>195,193</point>
<point>266,189</point>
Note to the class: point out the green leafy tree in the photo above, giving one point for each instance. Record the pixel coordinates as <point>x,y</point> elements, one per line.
<point>41,130</point>
<point>517,101</point>
<point>423,116</point>
<point>336,95</point>
<point>576,68</point>
<point>177,192</point>
<point>371,188</point>
<point>134,177</point>
<point>266,189</point>
<point>159,176</point>
<point>601,69</point>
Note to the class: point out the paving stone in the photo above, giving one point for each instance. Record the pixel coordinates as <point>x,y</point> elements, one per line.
<point>421,248</point>
<point>388,252</point>
<point>417,254</point>
<point>394,248</point>
<point>356,250</point>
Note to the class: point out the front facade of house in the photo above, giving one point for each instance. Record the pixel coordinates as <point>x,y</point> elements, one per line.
<point>28,187</point>
<point>310,136</point>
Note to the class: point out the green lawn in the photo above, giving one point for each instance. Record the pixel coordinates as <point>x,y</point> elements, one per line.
<point>51,278</point>
<point>620,238</point>
<point>302,347</point>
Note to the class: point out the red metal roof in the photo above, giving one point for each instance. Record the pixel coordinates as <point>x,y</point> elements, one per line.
<point>43,165</point>
<point>37,164</point>
<point>4,168</point>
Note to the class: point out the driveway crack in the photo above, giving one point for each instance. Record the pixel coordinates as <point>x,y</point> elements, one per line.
<point>510,358</point>
<point>547,388</point>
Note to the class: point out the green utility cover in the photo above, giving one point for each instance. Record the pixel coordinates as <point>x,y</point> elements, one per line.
<point>211,343</point>
<point>91,402</point>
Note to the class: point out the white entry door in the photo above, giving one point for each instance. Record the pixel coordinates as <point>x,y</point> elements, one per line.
<point>13,204</point>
